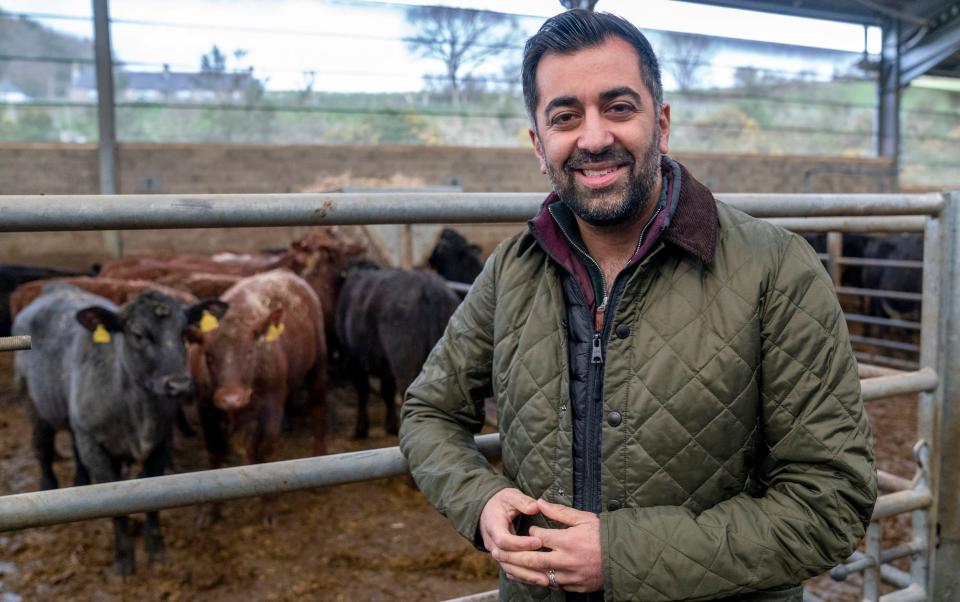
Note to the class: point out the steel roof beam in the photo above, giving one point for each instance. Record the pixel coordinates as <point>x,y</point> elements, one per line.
<point>932,50</point>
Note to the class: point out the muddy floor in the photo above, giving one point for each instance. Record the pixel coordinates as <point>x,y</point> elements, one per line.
<point>372,541</point>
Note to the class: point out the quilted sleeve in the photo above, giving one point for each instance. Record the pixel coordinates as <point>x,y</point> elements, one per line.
<point>443,409</point>
<point>817,475</point>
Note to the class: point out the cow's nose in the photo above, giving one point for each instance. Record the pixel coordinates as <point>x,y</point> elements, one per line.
<point>230,399</point>
<point>176,386</point>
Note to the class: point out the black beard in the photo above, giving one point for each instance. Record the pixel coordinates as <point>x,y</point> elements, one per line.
<point>632,196</point>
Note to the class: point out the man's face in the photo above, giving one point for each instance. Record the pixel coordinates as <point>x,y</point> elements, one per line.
<point>598,137</point>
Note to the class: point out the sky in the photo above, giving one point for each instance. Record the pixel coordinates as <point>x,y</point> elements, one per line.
<point>354,45</point>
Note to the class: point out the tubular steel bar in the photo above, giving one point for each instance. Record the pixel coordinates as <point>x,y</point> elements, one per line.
<point>871,569</point>
<point>901,502</point>
<point>893,362</point>
<point>875,342</point>
<point>868,292</point>
<point>905,324</point>
<point>935,317</point>
<point>914,593</point>
<point>16,343</point>
<point>490,596</point>
<point>891,482</point>
<point>859,561</point>
<point>907,223</point>
<point>883,263</point>
<point>55,506</point>
<point>148,211</point>
<point>882,387</point>
<point>943,415</point>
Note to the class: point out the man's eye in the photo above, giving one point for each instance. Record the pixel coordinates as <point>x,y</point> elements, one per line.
<point>621,108</point>
<point>562,119</point>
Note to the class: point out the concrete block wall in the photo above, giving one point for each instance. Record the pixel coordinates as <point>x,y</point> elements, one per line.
<point>217,168</point>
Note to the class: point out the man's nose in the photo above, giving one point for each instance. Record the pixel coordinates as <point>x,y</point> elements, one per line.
<point>595,136</point>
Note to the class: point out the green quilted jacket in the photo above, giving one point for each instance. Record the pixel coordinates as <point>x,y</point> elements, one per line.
<point>744,458</point>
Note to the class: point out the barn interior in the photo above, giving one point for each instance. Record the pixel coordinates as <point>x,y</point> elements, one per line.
<point>80,117</point>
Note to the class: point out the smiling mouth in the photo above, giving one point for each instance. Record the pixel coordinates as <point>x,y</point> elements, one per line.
<point>593,173</point>
<point>598,178</point>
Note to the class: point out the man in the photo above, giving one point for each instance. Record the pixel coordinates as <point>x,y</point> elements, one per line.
<point>678,403</point>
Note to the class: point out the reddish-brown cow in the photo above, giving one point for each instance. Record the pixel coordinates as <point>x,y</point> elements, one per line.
<point>116,290</point>
<point>259,346</point>
<point>202,284</point>
<point>149,267</point>
<point>320,257</point>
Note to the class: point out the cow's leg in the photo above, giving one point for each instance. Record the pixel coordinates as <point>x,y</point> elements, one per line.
<point>81,476</point>
<point>44,436</point>
<point>216,441</point>
<point>214,437</point>
<point>362,384</point>
<point>104,469</point>
<point>152,536</point>
<point>318,407</point>
<point>183,425</point>
<point>388,388</point>
<point>262,440</point>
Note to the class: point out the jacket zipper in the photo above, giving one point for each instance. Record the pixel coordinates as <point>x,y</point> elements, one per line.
<point>592,497</point>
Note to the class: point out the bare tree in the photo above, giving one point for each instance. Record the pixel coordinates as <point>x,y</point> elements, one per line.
<point>684,55</point>
<point>584,4</point>
<point>462,39</point>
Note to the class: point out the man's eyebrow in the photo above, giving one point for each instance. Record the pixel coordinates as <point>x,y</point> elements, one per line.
<point>612,93</point>
<point>561,101</point>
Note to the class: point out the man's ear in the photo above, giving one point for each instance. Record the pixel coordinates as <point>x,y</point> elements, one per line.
<point>664,120</point>
<point>537,150</point>
<point>95,316</point>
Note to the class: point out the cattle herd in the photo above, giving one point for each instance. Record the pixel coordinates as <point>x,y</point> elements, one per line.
<point>117,352</point>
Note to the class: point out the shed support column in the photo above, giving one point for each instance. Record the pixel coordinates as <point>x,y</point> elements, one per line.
<point>106,122</point>
<point>946,578</point>
<point>888,105</point>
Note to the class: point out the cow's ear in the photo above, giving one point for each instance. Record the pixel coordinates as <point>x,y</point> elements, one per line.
<point>204,317</point>
<point>96,319</point>
<point>272,326</point>
<point>214,307</point>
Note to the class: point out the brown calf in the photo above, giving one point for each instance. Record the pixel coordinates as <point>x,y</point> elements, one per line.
<point>260,345</point>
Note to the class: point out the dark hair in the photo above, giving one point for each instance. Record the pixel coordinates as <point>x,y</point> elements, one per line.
<point>575,30</point>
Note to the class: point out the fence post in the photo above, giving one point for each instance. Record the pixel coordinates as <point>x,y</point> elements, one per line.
<point>834,252</point>
<point>106,114</point>
<point>946,484</point>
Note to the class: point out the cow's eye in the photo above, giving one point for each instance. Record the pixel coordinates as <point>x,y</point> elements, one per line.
<point>139,337</point>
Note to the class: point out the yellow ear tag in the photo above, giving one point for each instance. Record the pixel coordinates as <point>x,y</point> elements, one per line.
<point>208,322</point>
<point>100,334</point>
<point>274,332</point>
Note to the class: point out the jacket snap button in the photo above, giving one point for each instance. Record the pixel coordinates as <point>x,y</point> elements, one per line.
<point>622,331</point>
<point>614,418</point>
<point>614,505</point>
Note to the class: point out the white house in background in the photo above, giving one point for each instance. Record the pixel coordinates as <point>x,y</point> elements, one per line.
<point>11,94</point>
<point>166,85</point>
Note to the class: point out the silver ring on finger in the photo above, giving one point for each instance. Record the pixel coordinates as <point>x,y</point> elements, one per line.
<point>552,577</point>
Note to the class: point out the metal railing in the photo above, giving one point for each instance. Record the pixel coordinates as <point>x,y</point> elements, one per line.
<point>938,218</point>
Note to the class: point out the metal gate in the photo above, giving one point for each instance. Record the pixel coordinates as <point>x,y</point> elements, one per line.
<point>930,495</point>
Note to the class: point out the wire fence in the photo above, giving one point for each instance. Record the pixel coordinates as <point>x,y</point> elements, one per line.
<point>824,106</point>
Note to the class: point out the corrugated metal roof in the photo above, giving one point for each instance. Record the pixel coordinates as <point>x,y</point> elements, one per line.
<point>928,27</point>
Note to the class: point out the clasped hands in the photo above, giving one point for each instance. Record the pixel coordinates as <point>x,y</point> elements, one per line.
<point>572,553</point>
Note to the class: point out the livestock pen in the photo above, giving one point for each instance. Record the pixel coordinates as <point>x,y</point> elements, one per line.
<point>929,497</point>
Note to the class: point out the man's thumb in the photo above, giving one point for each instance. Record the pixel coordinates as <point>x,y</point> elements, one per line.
<point>558,512</point>
<point>523,502</point>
